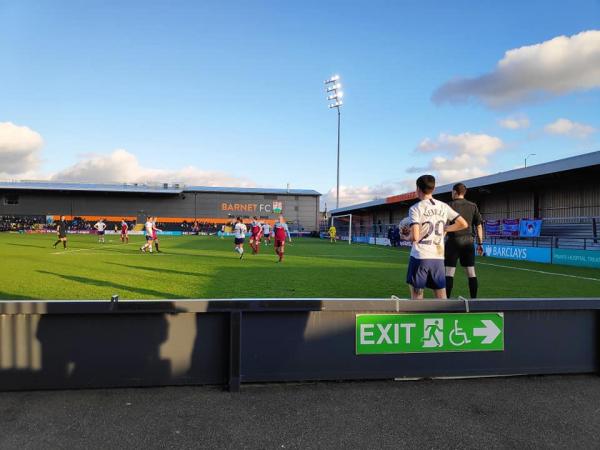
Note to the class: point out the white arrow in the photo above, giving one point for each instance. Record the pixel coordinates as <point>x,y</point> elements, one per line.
<point>490,331</point>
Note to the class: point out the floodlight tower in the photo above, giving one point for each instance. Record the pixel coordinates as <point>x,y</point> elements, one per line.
<point>333,88</point>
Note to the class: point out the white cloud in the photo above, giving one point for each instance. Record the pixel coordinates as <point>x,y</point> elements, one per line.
<point>558,66</point>
<point>514,122</point>
<point>463,156</point>
<point>569,128</point>
<point>460,157</point>
<point>351,195</point>
<point>19,150</point>
<point>464,143</point>
<point>121,166</point>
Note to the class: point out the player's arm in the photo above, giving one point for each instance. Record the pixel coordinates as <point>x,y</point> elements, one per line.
<point>478,222</point>
<point>287,231</point>
<point>479,234</point>
<point>458,224</point>
<point>479,229</point>
<point>414,233</point>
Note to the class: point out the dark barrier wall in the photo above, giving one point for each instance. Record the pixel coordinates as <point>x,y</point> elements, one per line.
<point>76,344</point>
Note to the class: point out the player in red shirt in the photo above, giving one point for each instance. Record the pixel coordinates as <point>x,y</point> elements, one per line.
<point>124,232</point>
<point>281,231</point>
<point>256,230</point>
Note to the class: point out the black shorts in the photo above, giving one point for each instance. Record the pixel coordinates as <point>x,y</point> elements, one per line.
<point>62,235</point>
<point>238,241</point>
<point>459,249</point>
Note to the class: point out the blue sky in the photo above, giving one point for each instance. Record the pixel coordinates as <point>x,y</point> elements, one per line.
<point>234,90</point>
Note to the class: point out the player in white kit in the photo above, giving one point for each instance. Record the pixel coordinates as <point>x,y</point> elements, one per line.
<point>149,231</point>
<point>100,227</point>
<point>266,232</point>
<point>239,232</point>
<point>428,225</point>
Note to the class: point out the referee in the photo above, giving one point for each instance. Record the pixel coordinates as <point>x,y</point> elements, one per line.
<point>61,232</point>
<point>460,244</point>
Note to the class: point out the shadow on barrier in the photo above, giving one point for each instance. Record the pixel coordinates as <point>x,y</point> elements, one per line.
<point>80,351</point>
<point>96,344</point>
<point>54,349</point>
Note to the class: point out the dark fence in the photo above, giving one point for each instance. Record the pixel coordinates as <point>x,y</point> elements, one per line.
<point>75,344</point>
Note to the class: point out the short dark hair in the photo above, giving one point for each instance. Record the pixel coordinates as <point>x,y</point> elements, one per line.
<point>460,188</point>
<point>239,219</point>
<point>426,183</point>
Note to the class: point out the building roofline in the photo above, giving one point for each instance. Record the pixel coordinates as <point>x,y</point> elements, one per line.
<point>167,189</point>
<point>560,165</point>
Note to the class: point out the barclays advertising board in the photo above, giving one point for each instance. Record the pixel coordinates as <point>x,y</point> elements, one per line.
<point>536,254</point>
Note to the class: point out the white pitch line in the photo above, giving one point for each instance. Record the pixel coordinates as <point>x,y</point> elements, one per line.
<point>64,252</point>
<point>94,249</point>
<point>540,271</point>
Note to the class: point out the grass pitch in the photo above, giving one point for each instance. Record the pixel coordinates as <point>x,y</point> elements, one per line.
<point>207,267</point>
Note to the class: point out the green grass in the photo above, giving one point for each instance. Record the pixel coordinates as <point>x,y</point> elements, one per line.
<point>206,267</point>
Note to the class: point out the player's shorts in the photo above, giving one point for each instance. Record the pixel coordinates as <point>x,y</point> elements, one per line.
<point>279,242</point>
<point>100,233</point>
<point>62,235</point>
<point>459,249</point>
<point>267,235</point>
<point>426,273</point>
<point>124,233</point>
<point>149,237</point>
<point>238,241</point>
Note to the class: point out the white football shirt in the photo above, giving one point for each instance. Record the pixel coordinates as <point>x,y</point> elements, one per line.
<point>431,215</point>
<point>148,225</point>
<point>266,228</point>
<point>100,226</point>
<point>240,230</point>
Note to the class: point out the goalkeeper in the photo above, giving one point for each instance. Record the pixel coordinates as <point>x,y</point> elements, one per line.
<point>332,233</point>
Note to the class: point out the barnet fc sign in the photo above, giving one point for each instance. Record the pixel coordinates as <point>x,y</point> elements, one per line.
<point>268,208</point>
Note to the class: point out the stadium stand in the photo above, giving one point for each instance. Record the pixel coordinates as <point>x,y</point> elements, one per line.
<point>569,210</point>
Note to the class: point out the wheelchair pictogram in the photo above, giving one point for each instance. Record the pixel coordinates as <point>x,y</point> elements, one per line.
<point>458,337</point>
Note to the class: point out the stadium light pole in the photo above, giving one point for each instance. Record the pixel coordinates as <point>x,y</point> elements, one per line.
<point>333,88</point>
<point>531,154</point>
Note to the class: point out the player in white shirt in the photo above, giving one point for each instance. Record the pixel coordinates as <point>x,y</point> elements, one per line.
<point>239,232</point>
<point>266,230</point>
<point>428,225</point>
<point>149,231</point>
<point>100,227</point>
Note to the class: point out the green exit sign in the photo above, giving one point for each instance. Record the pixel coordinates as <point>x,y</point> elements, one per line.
<point>429,333</point>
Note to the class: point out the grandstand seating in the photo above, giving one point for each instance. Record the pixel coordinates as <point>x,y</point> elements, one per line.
<point>572,235</point>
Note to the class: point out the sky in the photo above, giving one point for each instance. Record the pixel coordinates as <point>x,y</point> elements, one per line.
<point>232,94</point>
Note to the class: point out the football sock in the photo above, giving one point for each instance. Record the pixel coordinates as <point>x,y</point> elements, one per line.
<point>64,244</point>
<point>449,286</point>
<point>56,243</point>
<point>473,285</point>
